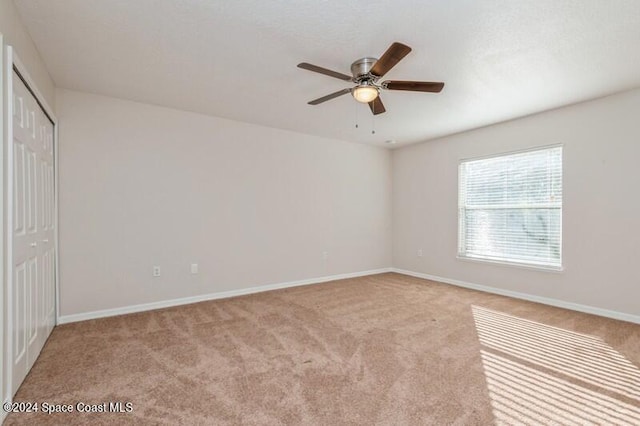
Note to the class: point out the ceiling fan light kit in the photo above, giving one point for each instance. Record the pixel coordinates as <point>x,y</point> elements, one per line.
<point>366,72</point>
<point>365,93</point>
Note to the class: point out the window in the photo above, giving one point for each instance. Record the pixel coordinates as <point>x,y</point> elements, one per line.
<point>510,208</point>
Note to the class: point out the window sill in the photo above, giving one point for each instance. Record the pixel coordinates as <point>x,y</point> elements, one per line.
<point>544,268</point>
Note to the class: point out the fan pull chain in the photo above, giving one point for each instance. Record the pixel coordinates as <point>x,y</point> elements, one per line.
<point>373,124</point>
<point>355,105</point>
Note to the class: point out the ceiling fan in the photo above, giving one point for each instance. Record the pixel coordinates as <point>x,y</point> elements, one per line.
<point>366,72</point>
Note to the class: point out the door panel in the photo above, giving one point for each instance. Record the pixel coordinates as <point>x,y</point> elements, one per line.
<point>19,314</point>
<point>18,188</point>
<point>32,300</point>
<point>30,187</point>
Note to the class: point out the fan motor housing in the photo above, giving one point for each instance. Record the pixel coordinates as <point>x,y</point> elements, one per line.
<point>361,67</point>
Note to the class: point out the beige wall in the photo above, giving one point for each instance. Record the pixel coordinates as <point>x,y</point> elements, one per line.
<point>601,203</point>
<point>15,34</point>
<point>142,185</point>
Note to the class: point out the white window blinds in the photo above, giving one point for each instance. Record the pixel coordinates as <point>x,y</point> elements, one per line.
<point>510,208</point>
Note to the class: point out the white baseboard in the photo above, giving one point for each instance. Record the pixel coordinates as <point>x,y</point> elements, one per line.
<point>64,319</point>
<point>524,296</point>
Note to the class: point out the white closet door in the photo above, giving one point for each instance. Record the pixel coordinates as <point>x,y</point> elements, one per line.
<point>33,230</point>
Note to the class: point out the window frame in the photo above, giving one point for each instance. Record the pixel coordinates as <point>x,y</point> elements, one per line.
<point>541,266</point>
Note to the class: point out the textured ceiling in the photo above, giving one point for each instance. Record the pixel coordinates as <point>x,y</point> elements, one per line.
<point>237,59</point>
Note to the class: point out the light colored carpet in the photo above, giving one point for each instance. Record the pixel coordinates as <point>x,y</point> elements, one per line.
<point>384,349</point>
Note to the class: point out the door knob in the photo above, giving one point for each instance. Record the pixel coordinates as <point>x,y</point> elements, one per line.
<point>34,244</point>
<point>45,241</point>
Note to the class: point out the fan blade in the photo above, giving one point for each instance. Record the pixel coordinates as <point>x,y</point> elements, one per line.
<point>329,97</point>
<point>414,86</point>
<point>315,68</point>
<point>390,58</point>
<point>376,105</point>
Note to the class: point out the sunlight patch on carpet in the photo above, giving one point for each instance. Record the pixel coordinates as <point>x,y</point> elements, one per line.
<point>582,380</point>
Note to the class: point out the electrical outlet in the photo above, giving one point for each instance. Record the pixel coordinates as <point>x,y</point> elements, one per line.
<point>156,271</point>
<point>194,268</point>
<point>325,255</point>
<point>420,253</point>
